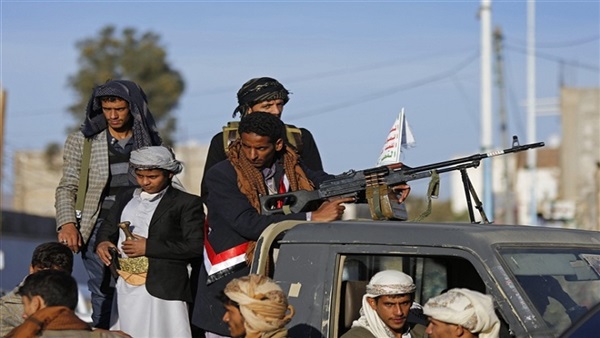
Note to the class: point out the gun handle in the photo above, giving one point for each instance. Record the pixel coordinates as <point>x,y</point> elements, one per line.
<point>294,201</point>
<point>114,262</point>
<point>125,227</point>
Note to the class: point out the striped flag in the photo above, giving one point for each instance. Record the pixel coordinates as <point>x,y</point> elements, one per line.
<point>400,136</point>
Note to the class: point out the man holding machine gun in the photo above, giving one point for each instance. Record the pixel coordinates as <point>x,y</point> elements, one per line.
<point>259,163</point>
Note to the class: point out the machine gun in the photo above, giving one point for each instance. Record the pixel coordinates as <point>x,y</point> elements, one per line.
<point>375,185</point>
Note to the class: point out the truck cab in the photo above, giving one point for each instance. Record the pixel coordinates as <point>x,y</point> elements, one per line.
<point>541,279</point>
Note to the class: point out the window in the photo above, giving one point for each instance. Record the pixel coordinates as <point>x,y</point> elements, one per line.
<point>560,283</point>
<point>432,275</point>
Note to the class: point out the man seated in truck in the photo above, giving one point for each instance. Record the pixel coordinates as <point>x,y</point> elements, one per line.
<point>259,163</point>
<point>256,307</point>
<point>461,313</point>
<point>385,308</point>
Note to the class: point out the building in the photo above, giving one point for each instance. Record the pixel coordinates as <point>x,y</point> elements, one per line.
<point>37,174</point>
<point>580,154</point>
<point>567,177</point>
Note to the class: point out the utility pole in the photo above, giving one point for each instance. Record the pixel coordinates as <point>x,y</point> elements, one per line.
<point>486,103</point>
<point>2,110</point>
<point>507,207</point>
<point>531,103</point>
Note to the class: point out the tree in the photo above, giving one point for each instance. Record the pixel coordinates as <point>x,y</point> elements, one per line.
<point>136,57</point>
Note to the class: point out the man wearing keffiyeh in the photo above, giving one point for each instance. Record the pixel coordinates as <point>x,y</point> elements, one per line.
<point>259,163</point>
<point>264,94</point>
<point>385,308</point>
<point>461,313</point>
<point>153,287</point>
<point>117,121</point>
<point>256,307</point>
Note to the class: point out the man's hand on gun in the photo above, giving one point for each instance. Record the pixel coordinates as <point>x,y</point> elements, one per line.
<point>103,251</point>
<point>331,210</point>
<point>402,192</point>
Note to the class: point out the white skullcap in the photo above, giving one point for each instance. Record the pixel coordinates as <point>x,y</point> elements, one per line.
<point>384,283</point>
<point>470,309</point>
<point>390,282</point>
<point>155,157</point>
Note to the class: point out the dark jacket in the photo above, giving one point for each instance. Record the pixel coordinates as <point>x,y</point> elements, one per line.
<point>216,153</point>
<point>232,221</point>
<point>175,237</point>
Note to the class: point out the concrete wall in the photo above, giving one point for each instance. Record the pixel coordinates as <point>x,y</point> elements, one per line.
<point>36,176</point>
<point>580,154</point>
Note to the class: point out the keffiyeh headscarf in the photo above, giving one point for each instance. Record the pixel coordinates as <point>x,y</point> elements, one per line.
<point>384,283</point>
<point>263,305</point>
<point>470,309</point>
<point>144,127</point>
<point>259,90</point>
<point>156,157</point>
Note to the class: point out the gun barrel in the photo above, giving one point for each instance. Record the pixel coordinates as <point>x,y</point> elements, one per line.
<point>474,158</point>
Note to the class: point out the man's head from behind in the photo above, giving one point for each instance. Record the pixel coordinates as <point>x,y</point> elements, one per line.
<point>48,288</point>
<point>261,94</point>
<point>256,305</point>
<point>461,313</point>
<point>261,138</point>
<point>51,255</point>
<point>387,302</point>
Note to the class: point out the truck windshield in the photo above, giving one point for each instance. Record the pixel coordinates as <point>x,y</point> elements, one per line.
<point>562,284</point>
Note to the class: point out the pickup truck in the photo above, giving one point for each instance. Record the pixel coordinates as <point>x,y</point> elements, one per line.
<point>541,279</point>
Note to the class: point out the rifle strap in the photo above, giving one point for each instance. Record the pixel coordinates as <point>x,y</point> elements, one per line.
<point>83,177</point>
<point>293,135</point>
<point>432,192</point>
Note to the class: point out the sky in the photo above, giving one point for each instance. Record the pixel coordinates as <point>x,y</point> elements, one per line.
<point>351,67</point>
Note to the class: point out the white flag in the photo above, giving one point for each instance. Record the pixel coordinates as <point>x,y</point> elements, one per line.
<point>400,136</point>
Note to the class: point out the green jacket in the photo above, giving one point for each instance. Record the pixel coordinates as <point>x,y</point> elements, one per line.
<point>417,331</point>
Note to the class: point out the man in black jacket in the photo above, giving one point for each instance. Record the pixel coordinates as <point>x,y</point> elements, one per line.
<point>263,94</point>
<point>153,287</point>
<point>259,163</point>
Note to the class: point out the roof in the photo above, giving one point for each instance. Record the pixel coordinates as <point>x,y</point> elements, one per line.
<point>436,234</point>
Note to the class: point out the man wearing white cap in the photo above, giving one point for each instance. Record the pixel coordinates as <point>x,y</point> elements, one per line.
<point>385,308</point>
<point>153,287</point>
<point>461,313</point>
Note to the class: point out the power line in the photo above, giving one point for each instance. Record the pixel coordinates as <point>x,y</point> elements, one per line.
<point>556,59</point>
<point>561,44</point>
<point>389,91</point>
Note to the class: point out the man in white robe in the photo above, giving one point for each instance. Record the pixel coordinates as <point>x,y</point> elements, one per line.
<point>153,289</point>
